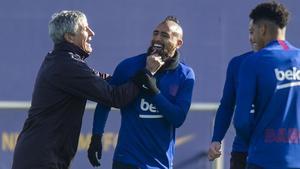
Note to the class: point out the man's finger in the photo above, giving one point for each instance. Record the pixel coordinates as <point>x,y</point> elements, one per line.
<point>210,158</point>
<point>93,159</point>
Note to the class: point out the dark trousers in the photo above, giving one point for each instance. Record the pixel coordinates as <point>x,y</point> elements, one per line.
<point>238,160</point>
<point>120,165</point>
<point>253,166</point>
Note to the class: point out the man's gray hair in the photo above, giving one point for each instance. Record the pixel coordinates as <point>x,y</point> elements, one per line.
<point>64,22</point>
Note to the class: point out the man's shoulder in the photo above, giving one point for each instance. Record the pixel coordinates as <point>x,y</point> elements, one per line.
<point>184,66</point>
<point>132,61</point>
<point>187,70</point>
<point>130,65</point>
<point>240,58</point>
<point>65,57</point>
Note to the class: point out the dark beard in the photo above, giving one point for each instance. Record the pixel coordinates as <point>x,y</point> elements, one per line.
<point>159,51</point>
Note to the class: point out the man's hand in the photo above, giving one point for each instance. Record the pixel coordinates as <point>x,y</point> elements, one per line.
<point>154,63</point>
<point>214,151</point>
<point>146,82</point>
<point>95,150</point>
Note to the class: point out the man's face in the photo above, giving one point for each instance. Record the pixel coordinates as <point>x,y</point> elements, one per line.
<point>83,37</point>
<point>165,35</point>
<point>256,36</point>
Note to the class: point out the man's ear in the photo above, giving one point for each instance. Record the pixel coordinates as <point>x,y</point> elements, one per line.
<point>179,43</point>
<point>68,37</point>
<point>263,29</point>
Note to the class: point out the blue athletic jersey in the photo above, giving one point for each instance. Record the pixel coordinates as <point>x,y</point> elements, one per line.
<point>147,133</point>
<point>270,79</point>
<point>227,105</point>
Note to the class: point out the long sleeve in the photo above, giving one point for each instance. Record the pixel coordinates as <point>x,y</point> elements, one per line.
<point>100,118</point>
<point>102,111</point>
<point>246,94</point>
<point>175,112</point>
<point>225,111</point>
<point>78,79</point>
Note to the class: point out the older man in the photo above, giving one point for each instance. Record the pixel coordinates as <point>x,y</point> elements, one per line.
<point>50,134</point>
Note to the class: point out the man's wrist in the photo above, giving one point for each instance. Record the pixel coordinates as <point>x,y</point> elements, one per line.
<point>96,137</point>
<point>216,142</point>
<point>148,72</point>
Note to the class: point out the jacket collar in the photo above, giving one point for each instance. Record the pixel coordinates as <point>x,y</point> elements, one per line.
<point>171,63</point>
<point>69,47</point>
<point>278,45</point>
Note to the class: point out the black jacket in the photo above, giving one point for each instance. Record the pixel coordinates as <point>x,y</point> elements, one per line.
<point>49,138</point>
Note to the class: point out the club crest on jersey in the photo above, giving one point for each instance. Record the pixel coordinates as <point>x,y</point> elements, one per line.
<point>173,90</point>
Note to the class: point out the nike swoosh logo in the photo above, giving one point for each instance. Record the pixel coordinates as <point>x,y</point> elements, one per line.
<point>184,139</point>
<point>145,87</point>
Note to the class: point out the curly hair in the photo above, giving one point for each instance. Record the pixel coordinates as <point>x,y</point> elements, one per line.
<point>271,11</point>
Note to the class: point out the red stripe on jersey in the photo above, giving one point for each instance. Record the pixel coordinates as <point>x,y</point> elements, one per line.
<point>283,44</point>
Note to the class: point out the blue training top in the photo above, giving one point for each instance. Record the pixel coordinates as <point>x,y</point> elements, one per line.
<point>147,134</point>
<point>227,105</point>
<point>270,80</point>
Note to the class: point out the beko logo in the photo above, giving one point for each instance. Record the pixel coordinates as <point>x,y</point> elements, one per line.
<point>145,106</point>
<point>290,74</point>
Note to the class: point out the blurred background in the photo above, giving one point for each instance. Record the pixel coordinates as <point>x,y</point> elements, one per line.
<point>214,32</point>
